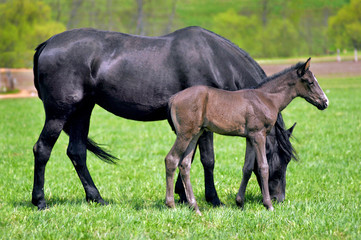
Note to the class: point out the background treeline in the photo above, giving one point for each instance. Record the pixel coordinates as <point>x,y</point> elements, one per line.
<point>265,28</point>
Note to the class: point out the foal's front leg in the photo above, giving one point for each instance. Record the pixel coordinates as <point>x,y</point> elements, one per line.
<point>247,172</point>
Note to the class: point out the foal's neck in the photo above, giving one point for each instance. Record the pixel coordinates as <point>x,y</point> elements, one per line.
<point>280,90</point>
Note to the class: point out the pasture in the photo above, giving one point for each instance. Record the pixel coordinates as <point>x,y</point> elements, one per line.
<point>323,196</point>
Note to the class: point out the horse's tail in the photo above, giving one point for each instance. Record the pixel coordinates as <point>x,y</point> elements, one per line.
<point>99,152</point>
<point>283,138</point>
<point>38,50</point>
<point>95,148</point>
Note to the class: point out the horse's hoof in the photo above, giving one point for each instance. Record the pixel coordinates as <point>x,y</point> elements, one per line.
<point>41,204</point>
<point>240,202</point>
<point>99,201</point>
<point>215,202</point>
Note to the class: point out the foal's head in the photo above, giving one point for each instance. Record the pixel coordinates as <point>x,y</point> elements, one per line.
<point>308,88</point>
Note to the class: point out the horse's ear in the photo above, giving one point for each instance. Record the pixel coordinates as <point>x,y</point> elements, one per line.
<point>289,131</point>
<point>304,68</point>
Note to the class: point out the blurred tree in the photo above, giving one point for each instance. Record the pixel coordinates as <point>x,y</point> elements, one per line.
<point>345,27</point>
<point>23,25</point>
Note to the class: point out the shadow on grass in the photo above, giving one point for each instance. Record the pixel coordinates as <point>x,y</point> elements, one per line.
<point>137,204</point>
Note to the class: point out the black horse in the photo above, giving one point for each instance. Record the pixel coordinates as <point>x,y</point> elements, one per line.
<point>134,77</point>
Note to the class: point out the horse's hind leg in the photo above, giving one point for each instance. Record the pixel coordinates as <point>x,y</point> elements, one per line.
<point>78,128</point>
<point>42,150</point>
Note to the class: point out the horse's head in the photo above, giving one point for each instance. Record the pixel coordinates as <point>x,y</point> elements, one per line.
<point>308,88</point>
<point>279,153</point>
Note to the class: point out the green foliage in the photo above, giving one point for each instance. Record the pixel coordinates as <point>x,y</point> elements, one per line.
<point>264,28</point>
<point>323,195</point>
<point>23,25</point>
<point>345,27</point>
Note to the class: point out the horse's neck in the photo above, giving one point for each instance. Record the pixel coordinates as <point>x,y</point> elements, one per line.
<point>280,92</point>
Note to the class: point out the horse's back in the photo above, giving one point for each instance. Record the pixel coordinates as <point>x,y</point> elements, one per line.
<point>134,76</point>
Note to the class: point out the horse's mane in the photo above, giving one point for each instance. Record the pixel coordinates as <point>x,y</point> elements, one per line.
<point>276,75</point>
<point>242,52</point>
<point>283,139</point>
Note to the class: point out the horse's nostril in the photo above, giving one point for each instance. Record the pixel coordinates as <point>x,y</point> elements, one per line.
<point>279,198</point>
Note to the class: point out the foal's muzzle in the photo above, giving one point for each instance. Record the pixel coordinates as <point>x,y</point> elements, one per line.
<point>324,104</point>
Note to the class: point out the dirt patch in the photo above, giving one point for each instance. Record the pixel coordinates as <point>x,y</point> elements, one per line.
<point>322,69</point>
<point>24,77</point>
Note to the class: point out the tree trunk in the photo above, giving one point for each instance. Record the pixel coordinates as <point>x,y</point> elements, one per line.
<point>140,24</point>
<point>171,17</point>
<point>74,10</point>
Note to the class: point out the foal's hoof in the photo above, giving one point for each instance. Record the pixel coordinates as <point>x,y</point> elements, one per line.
<point>170,204</point>
<point>198,212</point>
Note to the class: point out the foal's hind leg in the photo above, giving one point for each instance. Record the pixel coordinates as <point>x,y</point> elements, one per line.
<point>206,150</point>
<point>78,128</point>
<point>184,169</point>
<point>42,150</point>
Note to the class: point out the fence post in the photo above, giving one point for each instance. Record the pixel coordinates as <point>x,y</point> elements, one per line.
<point>355,51</point>
<point>338,55</point>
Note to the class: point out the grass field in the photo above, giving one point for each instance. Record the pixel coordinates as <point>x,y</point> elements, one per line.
<point>323,197</point>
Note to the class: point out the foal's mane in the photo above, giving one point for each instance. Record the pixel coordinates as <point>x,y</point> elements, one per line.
<point>276,75</point>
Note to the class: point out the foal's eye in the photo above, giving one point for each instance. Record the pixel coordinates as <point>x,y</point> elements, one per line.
<point>311,83</point>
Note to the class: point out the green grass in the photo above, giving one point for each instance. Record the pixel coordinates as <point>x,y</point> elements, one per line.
<point>323,190</point>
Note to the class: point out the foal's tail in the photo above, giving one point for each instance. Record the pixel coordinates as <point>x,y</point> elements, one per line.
<point>38,49</point>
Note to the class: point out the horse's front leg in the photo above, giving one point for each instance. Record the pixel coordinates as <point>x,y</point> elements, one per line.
<point>258,141</point>
<point>247,172</point>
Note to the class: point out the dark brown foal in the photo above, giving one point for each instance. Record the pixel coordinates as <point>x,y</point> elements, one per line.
<point>249,113</point>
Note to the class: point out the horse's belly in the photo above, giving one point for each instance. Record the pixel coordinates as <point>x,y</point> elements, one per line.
<point>135,111</point>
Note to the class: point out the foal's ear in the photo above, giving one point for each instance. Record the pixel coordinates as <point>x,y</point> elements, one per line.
<point>289,131</point>
<point>304,68</point>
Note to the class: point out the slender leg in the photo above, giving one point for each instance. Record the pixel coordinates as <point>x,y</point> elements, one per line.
<point>184,169</point>
<point>78,133</point>
<point>207,158</point>
<point>42,150</point>
<point>247,172</point>
<point>172,161</point>
<point>205,144</point>
<point>259,144</point>
<point>179,188</point>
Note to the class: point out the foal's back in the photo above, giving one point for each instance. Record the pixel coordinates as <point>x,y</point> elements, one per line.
<point>224,112</point>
